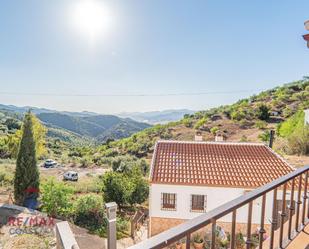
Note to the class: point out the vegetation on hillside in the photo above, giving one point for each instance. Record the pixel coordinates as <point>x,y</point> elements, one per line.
<point>258,113</point>
<point>294,135</point>
<point>269,108</point>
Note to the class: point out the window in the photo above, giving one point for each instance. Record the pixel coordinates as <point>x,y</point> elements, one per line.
<point>168,201</point>
<point>198,203</point>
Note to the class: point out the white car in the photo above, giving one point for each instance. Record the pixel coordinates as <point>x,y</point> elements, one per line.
<point>70,176</point>
<point>49,163</point>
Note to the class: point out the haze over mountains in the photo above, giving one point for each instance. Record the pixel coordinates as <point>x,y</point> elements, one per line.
<point>157,117</point>
<point>94,126</point>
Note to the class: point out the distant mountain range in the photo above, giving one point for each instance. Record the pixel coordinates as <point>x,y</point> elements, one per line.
<point>82,124</point>
<point>157,117</point>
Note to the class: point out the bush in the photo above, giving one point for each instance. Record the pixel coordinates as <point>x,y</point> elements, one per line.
<point>265,136</point>
<point>214,130</point>
<point>6,179</point>
<point>187,122</point>
<point>117,187</point>
<point>200,123</point>
<point>124,188</point>
<point>260,124</point>
<point>89,212</point>
<point>238,115</point>
<point>140,191</point>
<point>263,112</point>
<point>56,198</point>
<point>125,164</point>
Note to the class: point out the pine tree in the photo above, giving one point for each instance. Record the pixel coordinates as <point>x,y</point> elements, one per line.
<point>26,173</point>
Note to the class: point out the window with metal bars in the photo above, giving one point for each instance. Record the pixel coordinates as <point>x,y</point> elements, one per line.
<point>198,203</point>
<point>168,201</point>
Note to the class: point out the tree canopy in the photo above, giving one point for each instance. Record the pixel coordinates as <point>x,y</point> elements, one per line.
<point>26,173</point>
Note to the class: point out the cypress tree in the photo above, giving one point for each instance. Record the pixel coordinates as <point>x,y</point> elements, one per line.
<point>26,173</point>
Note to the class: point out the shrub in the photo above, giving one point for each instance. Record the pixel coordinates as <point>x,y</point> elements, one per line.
<point>214,130</point>
<point>260,124</point>
<point>125,164</point>
<point>140,191</point>
<point>6,179</point>
<point>238,115</point>
<point>200,123</point>
<point>263,112</point>
<point>265,136</point>
<point>244,139</point>
<point>187,122</point>
<point>89,212</point>
<point>117,187</point>
<point>56,198</point>
<point>124,188</point>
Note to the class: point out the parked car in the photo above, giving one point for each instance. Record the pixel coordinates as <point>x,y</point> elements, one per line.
<point>70,176</point>
<point>49,163</point>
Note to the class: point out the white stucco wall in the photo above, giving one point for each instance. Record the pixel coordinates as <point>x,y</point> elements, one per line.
<point>216,196</point>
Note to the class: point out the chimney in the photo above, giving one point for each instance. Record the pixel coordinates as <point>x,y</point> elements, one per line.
<point>220,136</point>
<point>198,137</point>
<point>271,138</point>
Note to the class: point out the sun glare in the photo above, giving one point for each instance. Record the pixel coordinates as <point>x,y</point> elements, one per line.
<point>91,19</point>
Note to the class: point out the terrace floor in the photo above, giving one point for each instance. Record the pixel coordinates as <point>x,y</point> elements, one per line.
<point>301,241</point>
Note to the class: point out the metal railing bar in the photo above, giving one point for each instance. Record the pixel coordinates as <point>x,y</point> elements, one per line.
<point>298,203</point>
<point>274,220</point>
<point>172,235</point>
<point>291,210</point>
<point>283,214</point>
<point>188,241</point>
<point>249,222</point>
<point>233,229</point>
<point>262,229</point>
<point>305,196</point>
<point>213,234</point>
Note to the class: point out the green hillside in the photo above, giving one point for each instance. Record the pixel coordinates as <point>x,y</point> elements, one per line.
<point>247,120</point>
<point>97,127</point>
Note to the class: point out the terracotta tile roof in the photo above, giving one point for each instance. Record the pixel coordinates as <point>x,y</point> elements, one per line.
<point>245,165</point>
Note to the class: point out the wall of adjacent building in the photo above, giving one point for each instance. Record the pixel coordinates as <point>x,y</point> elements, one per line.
<point>161,220</point>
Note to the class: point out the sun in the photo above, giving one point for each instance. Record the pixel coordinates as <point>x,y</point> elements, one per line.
<point>91,18</point>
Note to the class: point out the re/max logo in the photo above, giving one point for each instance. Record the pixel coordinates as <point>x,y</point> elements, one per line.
<point>32,221</point>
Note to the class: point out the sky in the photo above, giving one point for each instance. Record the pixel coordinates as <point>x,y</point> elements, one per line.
<point>134,55</point>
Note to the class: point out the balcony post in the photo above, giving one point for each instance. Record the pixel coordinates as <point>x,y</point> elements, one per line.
<point>291,210</point>
<point>262,229</point>
<point>274,219</point>
<point>111,209</point>
<point>249,223</point>
<point>298,203</point>
<point>283,215</point>
<point>233,229</point>
<point>305,197</point>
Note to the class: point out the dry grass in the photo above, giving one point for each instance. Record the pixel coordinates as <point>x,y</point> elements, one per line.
<point>27,241</point>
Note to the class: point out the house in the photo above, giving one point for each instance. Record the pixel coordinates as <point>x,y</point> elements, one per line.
<point>191,178</point>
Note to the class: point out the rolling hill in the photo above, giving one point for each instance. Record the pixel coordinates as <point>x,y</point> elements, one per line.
<point>72,127</point>
<point>98,127</point>
<point>247,120</point>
